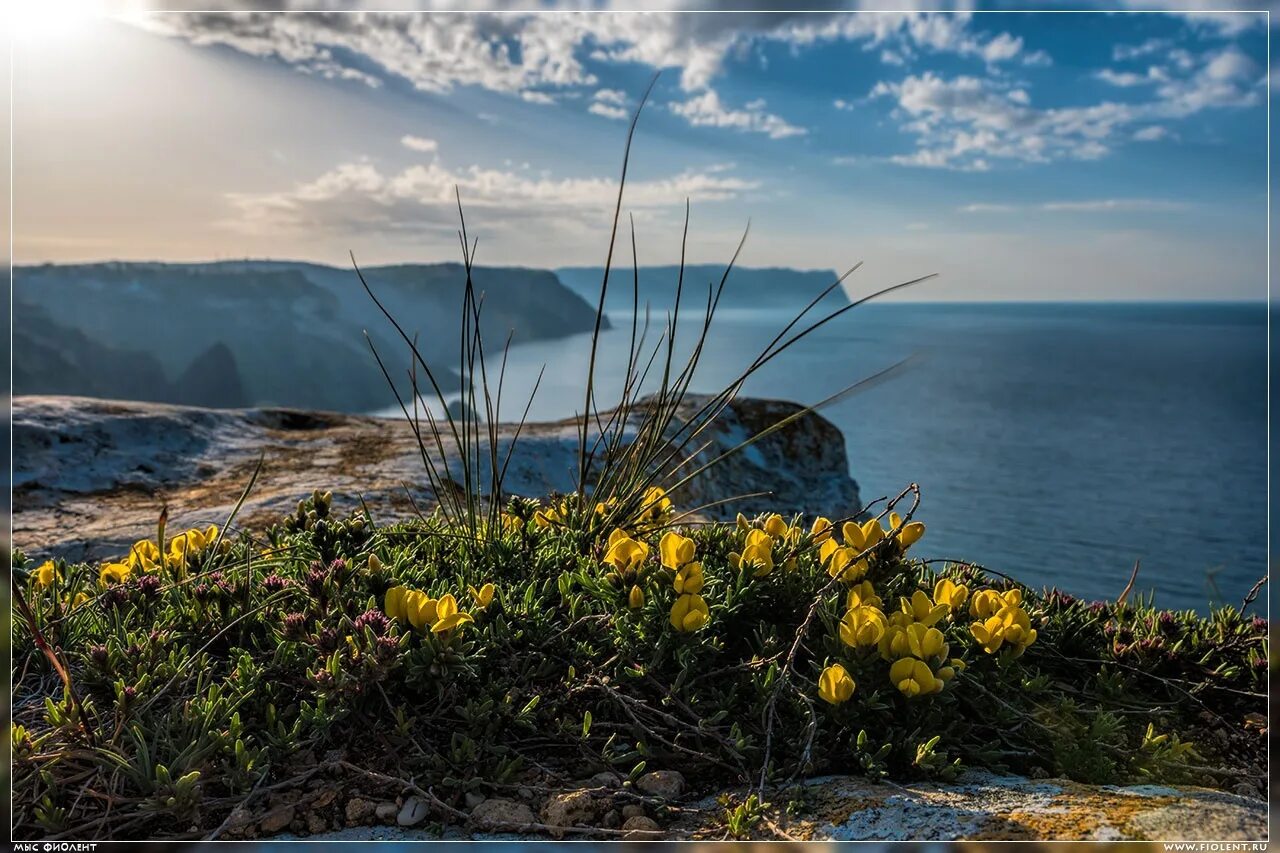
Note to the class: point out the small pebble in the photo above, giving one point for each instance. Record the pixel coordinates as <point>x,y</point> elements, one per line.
<point>415,811</point>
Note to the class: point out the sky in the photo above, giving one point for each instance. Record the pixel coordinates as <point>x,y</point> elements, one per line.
<point>1020,156</point>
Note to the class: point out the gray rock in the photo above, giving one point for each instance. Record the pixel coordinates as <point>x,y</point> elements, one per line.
<point>414,812</point>
<point>499,814</point>
<point>359,810</point>
<point>386,811</point>
<point>276,819</point>
<point>112,465</point>
<point>633,810</point>
<point>472,800</point>
<point>568,809</point>
<point>985,806</point>
<point>668,784</point>
<point>606,779</point>
<point>640,827</point>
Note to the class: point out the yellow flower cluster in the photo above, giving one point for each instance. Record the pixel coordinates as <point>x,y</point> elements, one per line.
<point>918,651</point>
<point>437,615</point>
<point>655,511</point>
<point>145,556</point>
<point>1001,622</point>
<point>758,552</point>
<point>690,612</point>
<point>842,560</point>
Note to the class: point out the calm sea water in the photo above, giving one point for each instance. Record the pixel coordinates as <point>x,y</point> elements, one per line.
<point>1058,443</point>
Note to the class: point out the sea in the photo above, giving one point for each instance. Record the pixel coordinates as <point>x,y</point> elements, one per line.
<point>1060,443</point>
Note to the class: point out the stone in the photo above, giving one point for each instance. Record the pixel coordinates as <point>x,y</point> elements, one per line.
<point>498,813</point>
<point>473,799</point>
<point>612,819</point>
<point>568,809</point>
<point>359,810</point>
<point>640,827</point>
<point>386,811</point>
<point>110,464</point>
<point>633,810</point>
<point>984,806</point>
<point>316,824</point>
<point>668,784</point>
<point>276,820</point>
<point>414,812</point>
<point>606,779</point>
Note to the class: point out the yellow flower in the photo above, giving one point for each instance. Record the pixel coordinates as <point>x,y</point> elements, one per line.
<point>835,685</point>
<point>394,605</point>
<point>922,610</point>
<point>778,529</point>
<point>625,554</point>
<point>860,537</point>
<point>80,599</point>
<point>863,595</point>
<point>113,573</point>
<point>448,616</point>
<point>985,603</point>
<point>483,596</point>
<point>552,515</point>
<point>840,563</point>
<point>144,556</point>
<point>914,678</point>
<point>894,643</point>
<point>689,580</point>
<point>926,643</point>
<point>821,530</point>
<point>952,594</point>
<point>420,609</point>
<point>1017,630</point>
<point>689,613</point>
<point>46,574</point>
<point>676,550</point>
<point>757,553</point>
<point>909,534</point>
<point>989,633</point>
<point>655,509</point>
<point>636,598</point>
<point>863,626</point>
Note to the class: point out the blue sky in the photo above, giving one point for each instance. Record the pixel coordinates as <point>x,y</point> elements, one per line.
<point>1022,156</point>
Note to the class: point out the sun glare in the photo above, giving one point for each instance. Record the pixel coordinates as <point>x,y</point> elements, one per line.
<point>41,20</point>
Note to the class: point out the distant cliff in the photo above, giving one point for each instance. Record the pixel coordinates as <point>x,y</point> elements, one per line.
<point>762,287</point>
<point>243,333</point>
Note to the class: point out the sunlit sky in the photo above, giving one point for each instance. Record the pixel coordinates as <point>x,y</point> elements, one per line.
<point>1021,156</point>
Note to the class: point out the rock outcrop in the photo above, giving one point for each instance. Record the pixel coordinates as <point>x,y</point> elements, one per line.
<point>91,476</point>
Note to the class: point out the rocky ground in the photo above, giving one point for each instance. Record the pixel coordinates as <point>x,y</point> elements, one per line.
<point>91,476</point>
<point>979,806</point>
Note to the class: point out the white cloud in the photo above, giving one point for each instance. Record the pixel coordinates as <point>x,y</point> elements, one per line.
<point>706,110</point>
<point>1151,134</point>
<point>418,143</point>
<point>616,97</point>
<point>971,123</point>
<point>982,207</point>
<point>1129,79</point>
<point>523,53</point>
<point>358,198</point>
<point>608,111</point>
<point>1104,205</point>
<point>1116,205</point>
<point>1122,52</point>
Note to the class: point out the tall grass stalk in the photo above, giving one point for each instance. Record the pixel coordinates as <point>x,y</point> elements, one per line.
<point>647,438</point>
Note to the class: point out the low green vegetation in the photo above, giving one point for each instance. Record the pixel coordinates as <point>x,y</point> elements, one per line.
<point>156,692</point>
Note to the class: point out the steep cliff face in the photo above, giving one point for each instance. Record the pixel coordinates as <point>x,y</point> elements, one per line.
<point>91,476</point>
<point>106,329</point>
